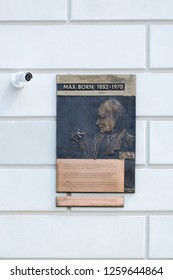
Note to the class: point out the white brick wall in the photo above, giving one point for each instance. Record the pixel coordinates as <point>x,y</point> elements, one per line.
<point>161,244</point>
<point>121,9</point>
<point>32,10</point>
<point>66,46</point>
<point>84,37</point>
<point>72,237</point>
<point>161,46</point>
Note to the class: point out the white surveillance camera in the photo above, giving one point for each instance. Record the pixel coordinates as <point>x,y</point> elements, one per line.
<point>19,78</point>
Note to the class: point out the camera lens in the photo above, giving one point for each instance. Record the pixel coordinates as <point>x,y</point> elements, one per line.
<point>28,76</point>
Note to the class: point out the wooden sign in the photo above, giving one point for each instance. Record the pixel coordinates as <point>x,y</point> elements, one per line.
<point>84,201</point>
<point>96,133</point>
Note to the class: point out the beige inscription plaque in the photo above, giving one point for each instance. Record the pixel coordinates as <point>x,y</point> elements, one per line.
<point>88,175</point>
<point>89,201</point>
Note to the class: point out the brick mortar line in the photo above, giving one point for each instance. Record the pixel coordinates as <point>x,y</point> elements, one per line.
<point>87,71</point>
<point>47,71</point>
<point>53,166</point>
<point>75,258</point>
<point>147,236</point>
<point>68,11</point>
<point>53,118</point>
<point>63,212</point>
<point>147,48</point>
<point>28,119</point>
<point>147,144</point>
<point>68,20</point>
<point>27,166</point>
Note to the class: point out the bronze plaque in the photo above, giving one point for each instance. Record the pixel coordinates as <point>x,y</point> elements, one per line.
<point>88,175</point>
<point>89,201</point>
<point>96,128</point>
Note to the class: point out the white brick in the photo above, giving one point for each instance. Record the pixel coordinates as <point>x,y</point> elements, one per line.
<point>121,9</point>
<point>37,98</point>
<point>153,193</point>
<point>71,237</point>
<point>64,46</point>
<point>28,189</point>
<point>35,190</point>
<point>140,142</point>
<point>42,89</point>
<point>161,241</point>
<point>161,139</point>
<point>33,142</point>
<point>154,94</point>
<point>32,10</point>
<point>161,45</point>
<point>25,142</point>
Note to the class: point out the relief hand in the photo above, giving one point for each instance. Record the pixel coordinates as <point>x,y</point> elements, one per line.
<point>77,135</point>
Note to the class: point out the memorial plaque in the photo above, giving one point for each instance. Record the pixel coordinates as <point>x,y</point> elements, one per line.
<point>96,133</point>
<point>90,175</point>
<point>90,201</point>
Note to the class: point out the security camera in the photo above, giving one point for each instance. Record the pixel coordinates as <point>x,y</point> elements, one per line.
<point>19,78</point>
<point>25,77</point>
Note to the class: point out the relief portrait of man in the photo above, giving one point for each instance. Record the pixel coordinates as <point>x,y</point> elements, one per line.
<point>98,127</point>
<point>112,140</point>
